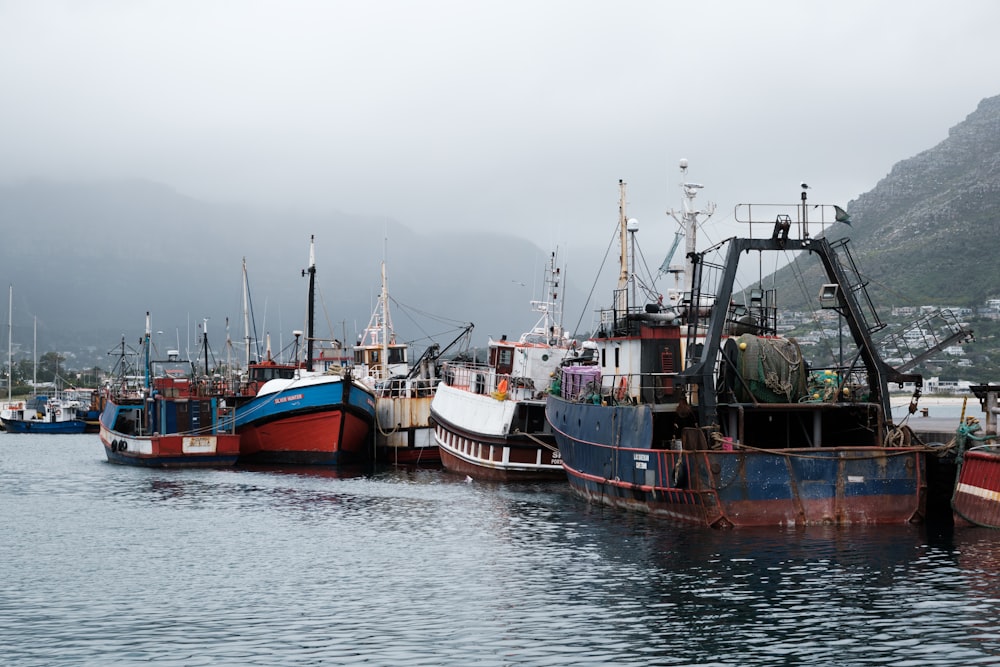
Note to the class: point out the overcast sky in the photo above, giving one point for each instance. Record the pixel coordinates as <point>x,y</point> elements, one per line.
<point>510,116</point>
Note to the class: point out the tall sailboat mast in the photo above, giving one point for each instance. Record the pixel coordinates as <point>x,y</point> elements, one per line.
<point>246,315</point>
<point>311,306</point>
<point>10,347</point>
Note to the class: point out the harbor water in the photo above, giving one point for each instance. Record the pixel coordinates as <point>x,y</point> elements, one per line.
<point>110,565</point>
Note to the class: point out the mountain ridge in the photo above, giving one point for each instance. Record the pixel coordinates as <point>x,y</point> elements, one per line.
<point>926,232</point>
<point>91,258</point>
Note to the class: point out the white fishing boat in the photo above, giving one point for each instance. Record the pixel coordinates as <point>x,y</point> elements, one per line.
<point>489,418</point>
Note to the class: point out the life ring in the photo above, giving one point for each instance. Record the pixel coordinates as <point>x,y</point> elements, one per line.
<point>58,412</point>
<point>622,389</point>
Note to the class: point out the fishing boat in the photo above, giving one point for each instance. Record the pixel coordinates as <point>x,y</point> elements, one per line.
<point>62,412</point>
<point>44,414</point>
<point>489,418</point>
<point>976,497</point>
<point>164,416</point>
<point>305,416</point>
<point>699,412</point>
<point>403,391</point>
<point>10,409</point>
<point>10,406</point>
<point>90,406</point>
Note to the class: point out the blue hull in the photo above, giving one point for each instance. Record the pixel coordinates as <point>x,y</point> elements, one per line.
<point>167,433</point>
<point>69,426</point>
<point>317,420</point>
<point>303,399</point>
<point>609,458</point>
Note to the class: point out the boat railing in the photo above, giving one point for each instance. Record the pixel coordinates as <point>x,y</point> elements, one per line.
<point>403,387</point>
<point>654,388</point>
<point>464,374</point>
<point>623,321</point>
<point>483,379</point>
<point>587,384</point>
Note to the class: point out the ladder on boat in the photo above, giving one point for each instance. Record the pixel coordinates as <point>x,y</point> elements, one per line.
<point>856,285</point>
<point>929,334</point>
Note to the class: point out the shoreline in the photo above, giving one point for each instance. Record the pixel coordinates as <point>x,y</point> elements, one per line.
<point>899,399</point>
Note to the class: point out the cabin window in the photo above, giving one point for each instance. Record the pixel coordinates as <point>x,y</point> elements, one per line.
<point>504,360</point>
<point>618,357</point>
<point>397,355</point>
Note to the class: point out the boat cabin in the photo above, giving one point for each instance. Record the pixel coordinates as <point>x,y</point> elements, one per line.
<point>382,362</point>
<point>174,404</point>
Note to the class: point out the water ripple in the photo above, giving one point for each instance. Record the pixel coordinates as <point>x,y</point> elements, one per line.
<point>108,565</point>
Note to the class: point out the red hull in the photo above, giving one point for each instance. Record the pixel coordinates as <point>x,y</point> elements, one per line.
<point>171,451</point>
<point>977,492</point>
<point>315,438</point>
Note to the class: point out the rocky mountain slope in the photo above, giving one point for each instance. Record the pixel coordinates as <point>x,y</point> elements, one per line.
<point>927,233</point>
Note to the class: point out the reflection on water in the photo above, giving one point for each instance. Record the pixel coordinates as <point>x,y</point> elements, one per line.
<point>110,565</point>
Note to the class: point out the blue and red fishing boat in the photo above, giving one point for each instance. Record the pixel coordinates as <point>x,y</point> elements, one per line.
<point>696,410</point>
<point>164,416</point>
<point>305,416</point>
<point>976,497</point>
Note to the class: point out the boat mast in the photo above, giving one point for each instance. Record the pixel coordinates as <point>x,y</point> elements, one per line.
<point>688,220</point>
<point>551,309</point>
<point>555,273</point>
<point>204,334</point>
<point>10,348</point>
<point>622,305</point>
<point>311,309</point>
<point>229,350</point>
<point>145,346</point>
<point>384,298</point>
<point>246,314</point>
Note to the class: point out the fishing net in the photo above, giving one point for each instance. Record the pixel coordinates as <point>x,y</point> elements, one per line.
<point>769,370</point>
